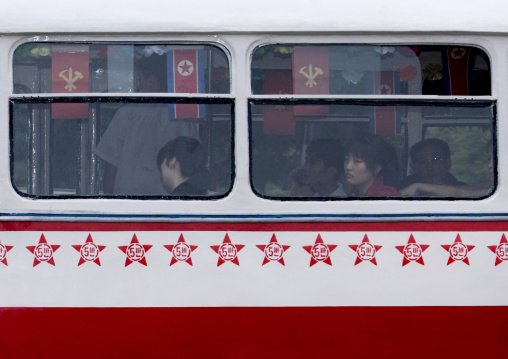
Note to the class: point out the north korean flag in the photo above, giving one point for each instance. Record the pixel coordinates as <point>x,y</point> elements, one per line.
<point>278,119</point>
<point>456,70</point>
<point>385,120</point>
<point>186,74</point>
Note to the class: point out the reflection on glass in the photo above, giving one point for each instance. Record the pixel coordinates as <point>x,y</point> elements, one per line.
<point>111,68</point>
<point>114,149</point>
<point>345,150</point>
<point>370,70</point>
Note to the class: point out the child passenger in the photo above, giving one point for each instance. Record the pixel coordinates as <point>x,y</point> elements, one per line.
<point>370,165</point>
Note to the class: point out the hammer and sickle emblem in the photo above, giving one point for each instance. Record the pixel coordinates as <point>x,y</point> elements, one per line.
<point>71,78</point>
<point>311,74</point>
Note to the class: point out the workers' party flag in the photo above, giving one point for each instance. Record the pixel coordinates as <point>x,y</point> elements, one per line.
<point>311,76</point>
<point>69,74</point>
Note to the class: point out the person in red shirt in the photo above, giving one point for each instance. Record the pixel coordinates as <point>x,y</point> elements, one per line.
<point>371,167</point>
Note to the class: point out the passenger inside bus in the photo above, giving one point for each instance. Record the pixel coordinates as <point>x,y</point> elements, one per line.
<point>430,162</point>
<point>371,167</point>
<point>323,167</point>
<point>297,183</point>
<point>136,134</point>
<point>453,190</point>
<point>182,164</point>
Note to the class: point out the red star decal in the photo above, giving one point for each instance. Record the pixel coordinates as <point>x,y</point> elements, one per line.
<point>501,250</point>
<point>458,251</point>
<point>89,251</point>
<point>181,251</point>
<point>365,251</point>
<point>412,251</point>
<point>227,251</point>
<point>273,251</point>
<point>3,253</point>
<point>135,251</point>
<point>320,252</point>
<point>43,252</point>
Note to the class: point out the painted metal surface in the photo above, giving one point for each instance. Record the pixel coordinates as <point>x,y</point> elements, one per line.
<point>225,264</point>
<point>261,16</point>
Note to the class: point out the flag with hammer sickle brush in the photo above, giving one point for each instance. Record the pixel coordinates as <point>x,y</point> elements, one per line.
<point>311,76</point>
<point>69,75</point>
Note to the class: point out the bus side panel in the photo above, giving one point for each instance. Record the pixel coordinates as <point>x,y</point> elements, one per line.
<point>389,304</point>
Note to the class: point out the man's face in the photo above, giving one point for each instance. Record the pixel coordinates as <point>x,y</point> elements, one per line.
<point>430,165</point>
<point>315,170</point>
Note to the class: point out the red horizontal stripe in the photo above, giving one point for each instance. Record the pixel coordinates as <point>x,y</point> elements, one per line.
<point>351,332</point>
<point>258,227</point>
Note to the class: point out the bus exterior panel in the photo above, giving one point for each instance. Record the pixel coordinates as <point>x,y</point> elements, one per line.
<point>256,256</point>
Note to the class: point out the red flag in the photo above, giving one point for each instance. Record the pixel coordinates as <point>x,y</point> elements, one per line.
<point>456,70</point>
<point>186,75</point>
<point>385,120</point>
<point>311,76</point>
<point>70,71</point>
<point>278,119</point>
<point>385,117</point>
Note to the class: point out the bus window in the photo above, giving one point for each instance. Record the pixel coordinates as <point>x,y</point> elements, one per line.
<point>107,141</point>
<point>377,146</point>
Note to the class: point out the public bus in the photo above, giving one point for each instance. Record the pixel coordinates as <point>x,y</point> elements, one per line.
<point>261,179</point>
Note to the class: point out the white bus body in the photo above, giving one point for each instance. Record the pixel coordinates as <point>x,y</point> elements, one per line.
<point>385,263</point>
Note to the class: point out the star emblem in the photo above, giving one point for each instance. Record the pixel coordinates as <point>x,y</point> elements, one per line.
<point>273,251</point>
<point>320,252</point>
<point>3,253</point>
<point>458,251</point>
<point>501,250</point>
<point>458,52</point>
<point>89,251</point>
<point>412,251</point>
<point>365,251</point>
<point>227,251</point>
<point>43,252</point>
<point>181,251</point>
<point>185,68</point>
<point>135,252</point>
<point>384,89</point>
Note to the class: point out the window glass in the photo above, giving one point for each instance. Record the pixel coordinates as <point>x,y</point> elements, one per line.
<point>370,70</point>
<point>124,68</point>
<point>122,149</point>
<point>468,162</point>
<point>337,147</point>
<point>116,145</point>
<point>350,150</point>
